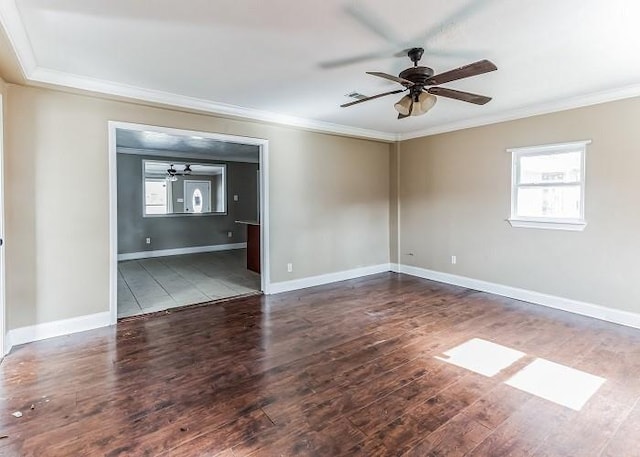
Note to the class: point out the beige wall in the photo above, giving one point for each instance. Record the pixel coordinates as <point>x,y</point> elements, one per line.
<point>455,196</point>
<point>336,203</point>
<point>393,203</point>
<point>329,199</point>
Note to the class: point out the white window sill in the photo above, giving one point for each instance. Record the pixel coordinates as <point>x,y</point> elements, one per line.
<point>576,226</point>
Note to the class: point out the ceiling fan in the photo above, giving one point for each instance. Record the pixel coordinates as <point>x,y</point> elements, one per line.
<point>418,81</point>
<point>172,173</point>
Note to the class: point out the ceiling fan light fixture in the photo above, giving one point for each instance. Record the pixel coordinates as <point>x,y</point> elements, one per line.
<point>403,106</point>
<point>425,102</point>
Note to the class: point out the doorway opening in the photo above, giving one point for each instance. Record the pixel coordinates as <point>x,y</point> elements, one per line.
<point>188,219</point>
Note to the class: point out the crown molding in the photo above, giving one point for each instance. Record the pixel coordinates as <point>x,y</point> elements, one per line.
<point>555,106</point>
<point>47,76</point>
<point>58,78</point>
<point>11,21</point>
<point>13,25</point>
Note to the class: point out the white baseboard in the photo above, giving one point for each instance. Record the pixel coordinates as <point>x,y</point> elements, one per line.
<point>80,324</point>
<point>180,251</point>
<point>38,332</point>
<point>303,283</point>
<point>616,316</point>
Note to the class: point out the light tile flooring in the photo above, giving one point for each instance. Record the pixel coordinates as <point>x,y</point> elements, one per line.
<point>150,285</point>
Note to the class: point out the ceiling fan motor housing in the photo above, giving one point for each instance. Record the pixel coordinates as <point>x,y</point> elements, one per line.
<point>417,75</point>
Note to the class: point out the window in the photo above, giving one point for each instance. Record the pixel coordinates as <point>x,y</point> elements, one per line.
<point>179,188</point>
<point>155,196</point>
<point>547,186</point>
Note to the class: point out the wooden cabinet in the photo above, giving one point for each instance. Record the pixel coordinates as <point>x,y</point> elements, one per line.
<point>253,247</point>
<point>253,244</point>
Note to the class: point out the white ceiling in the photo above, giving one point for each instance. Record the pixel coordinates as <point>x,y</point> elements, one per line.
<point>264,59</point>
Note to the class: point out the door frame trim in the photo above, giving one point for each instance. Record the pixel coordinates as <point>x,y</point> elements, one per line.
<point>3,273</point>
<point>263,145</point>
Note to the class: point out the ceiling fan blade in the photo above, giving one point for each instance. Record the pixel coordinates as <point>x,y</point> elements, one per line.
<point>372,97</point>
<point>355,59</point>
<point>375,24</point>
<point>372,22</point>
<point>404,82</point>
<point>459,95</point>
<point>458,16</point>
<point>473,69</point>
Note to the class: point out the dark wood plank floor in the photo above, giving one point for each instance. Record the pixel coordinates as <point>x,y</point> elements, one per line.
<point>340,370</point>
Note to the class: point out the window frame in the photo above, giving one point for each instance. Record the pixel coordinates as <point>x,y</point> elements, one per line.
<point>572,224</point>
<point>221,191</point>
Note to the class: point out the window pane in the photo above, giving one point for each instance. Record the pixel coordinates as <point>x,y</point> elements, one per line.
<point>155,196</point>
<point>155,193</point>
<point>551,202</point>
<point>551,168</point>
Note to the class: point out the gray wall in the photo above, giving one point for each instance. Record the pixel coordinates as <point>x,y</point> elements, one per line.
<point>182,231</point>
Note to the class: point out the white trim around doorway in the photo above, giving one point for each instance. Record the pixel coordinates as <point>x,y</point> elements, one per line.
<point>5,346</point>
<point>263,144</point>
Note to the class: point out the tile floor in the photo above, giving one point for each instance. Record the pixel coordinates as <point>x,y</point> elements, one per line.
<point>150,285</point>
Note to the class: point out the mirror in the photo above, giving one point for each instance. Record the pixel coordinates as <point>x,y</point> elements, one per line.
<point>183,188</point>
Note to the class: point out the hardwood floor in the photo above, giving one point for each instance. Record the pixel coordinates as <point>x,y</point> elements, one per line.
<point>351,369</point>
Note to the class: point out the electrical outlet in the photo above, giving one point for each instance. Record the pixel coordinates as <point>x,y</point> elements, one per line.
<point>289,267</point>
<point>148,240</point>
<point>229,234</point>
<point>454,260</point>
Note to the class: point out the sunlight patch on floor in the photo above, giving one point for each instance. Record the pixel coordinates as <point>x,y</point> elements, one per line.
<point>558,383</point>
<point>481,356</point>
